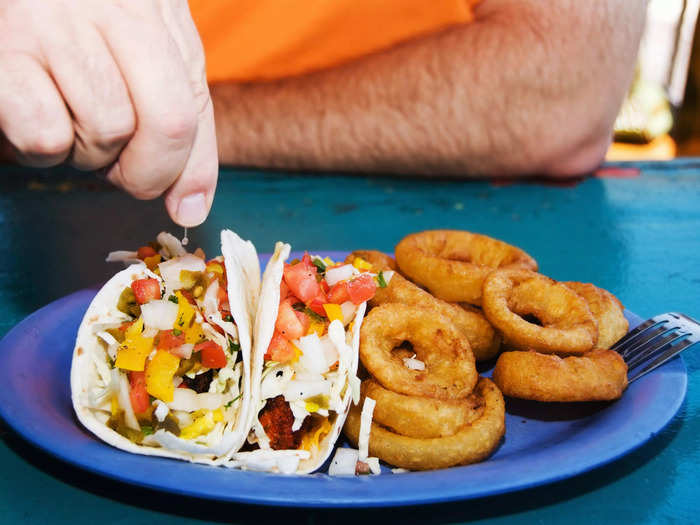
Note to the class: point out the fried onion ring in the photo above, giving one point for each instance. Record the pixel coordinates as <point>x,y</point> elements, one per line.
<point>473,442</point>
<point>453,264</point>
<point>607,311</point>
<point>421,417</point>
<point>449,372</point>
<point>599,375</point>
<point>567,325</point>
<point>484,340</point>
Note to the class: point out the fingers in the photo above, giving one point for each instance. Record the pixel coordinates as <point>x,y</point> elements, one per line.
<point>162,97</point>
<point>188,201</point>
<point>33,116</point>
<point>93,89</point>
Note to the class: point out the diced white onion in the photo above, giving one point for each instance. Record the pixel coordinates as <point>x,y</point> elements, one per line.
<point>387,274</point>
<point>299,411</point>
<point>188,400</point>
<point>313,358</point>
<point>399,470</point>
<point>296,389</point>
<point>341,273</point>
<point>348,309</point>
<point>329,351</point>
<point>343,463</point>
<point>123,256</point>
<point>159,314</point>
<point>413,364</point>
<point>170,270</point>
<point>183,351</point>
<point>170,245</point>
<point>365,428</point>
<point>161,410</point>
<point>374,466</point>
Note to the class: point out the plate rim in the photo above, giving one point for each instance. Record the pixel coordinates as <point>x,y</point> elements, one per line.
<point>337,492</point>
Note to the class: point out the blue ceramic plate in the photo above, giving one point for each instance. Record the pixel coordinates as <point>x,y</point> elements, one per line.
<point>543,443</point>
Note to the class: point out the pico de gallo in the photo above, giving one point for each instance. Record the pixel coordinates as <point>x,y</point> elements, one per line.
<point>306,365</point>
<point>174,357</point>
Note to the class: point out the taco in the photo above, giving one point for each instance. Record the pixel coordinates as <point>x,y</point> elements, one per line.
<point>161,364</point>
<point>304,362</point>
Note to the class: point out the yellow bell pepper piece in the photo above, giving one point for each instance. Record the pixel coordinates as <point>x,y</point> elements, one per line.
<point>317,327</point>
<point>215,267</point>
<point>361,264</point>
<point>159,375</point>
<point>114,406</point>
<point>132,353</point>
<point>185,312</point>
<point>333,311</point>
<point>203,424</point>
<point>153,261</point>
<point>194,334</point>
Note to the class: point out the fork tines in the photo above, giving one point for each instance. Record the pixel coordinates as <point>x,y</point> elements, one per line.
<point>655,341</point>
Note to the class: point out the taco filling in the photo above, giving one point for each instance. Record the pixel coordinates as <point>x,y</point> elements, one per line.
<point>308,364</point>
<point>173,366</point>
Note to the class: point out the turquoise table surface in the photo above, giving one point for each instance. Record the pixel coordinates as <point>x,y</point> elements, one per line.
<point>638,236</point>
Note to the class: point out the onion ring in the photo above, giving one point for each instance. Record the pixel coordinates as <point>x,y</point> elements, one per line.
<point>453,264</point>
<point>484,340</point>
<point>449,372</point>
<point>599,375</point>
<point>421,417</point>
<point>568,327</point>
<point>474,442</point>
<point>607,311</point>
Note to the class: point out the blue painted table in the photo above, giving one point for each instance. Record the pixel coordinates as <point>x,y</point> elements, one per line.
<point>636,236</point>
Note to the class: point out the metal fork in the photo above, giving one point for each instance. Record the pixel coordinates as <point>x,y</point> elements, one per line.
<point>655,341</point>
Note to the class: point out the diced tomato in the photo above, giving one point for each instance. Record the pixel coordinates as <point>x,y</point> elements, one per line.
<point>362,288</point>
<point>304,320</point>
<point>167,340</point>
<point>316,305</point>
<point>145,251</point>
<point>288,323</point>
<point>137,392</point>
<point>146,290</point>
<point>284,290</point>
<point>339,293</point>
<point>213,355</point>
<point>301,279</point>
<point>324,286</point>
<point>279,350</point>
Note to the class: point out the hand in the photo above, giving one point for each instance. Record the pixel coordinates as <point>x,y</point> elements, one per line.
<point>112,84</point>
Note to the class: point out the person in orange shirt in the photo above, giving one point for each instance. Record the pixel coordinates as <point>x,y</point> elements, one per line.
<point>456,87</point>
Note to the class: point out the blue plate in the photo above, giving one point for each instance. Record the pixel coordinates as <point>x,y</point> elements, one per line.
<point>543,443</point>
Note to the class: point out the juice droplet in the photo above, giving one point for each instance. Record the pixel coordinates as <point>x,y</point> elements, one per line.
<point>185,241</point>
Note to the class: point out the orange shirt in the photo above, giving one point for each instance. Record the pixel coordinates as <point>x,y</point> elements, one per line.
<point>247,40</point>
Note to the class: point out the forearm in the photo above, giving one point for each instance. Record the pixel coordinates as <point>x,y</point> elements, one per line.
<point>528,87</point>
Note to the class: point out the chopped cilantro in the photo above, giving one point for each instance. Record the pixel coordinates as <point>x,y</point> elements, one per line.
<point>173,299</point>
<point>318,263</point>
<point>228,318</point>
<point>380,280</point>
<point>301,307</point>
<point>177,332</point>
<point>228,405</point>
<point>147,430</point>
<point>233,347</point>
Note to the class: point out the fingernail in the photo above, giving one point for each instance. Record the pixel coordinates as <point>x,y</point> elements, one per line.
<point>192,210</point>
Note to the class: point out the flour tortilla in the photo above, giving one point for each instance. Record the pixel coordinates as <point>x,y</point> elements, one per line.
<point>265,319</point>
<point>90,367</point>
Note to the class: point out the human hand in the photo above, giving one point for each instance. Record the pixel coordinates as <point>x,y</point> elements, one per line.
<point>112,84</point>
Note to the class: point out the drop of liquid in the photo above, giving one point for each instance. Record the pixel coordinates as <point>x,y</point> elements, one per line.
<point>185,241</point>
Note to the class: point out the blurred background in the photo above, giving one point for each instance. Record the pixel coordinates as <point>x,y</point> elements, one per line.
<point>660,118</point>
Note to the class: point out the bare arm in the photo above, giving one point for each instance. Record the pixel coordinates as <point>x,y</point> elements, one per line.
<point>530,86</point>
